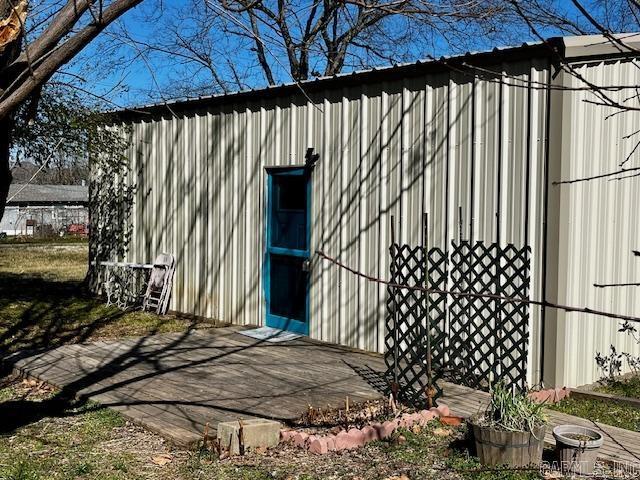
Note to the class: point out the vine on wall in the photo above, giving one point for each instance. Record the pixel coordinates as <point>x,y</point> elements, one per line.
<point>111,199</point>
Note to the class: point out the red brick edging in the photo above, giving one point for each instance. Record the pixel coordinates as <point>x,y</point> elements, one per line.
<point>552,395</point>
<point>358,437</point>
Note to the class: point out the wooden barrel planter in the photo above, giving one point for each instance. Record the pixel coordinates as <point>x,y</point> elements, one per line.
<point>502,447</point>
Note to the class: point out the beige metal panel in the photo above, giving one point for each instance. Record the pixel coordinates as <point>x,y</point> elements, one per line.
<point>412,166</point>
<point>370,216</point>
<point>235,261</point>
<point>460,164</point>
<point>313,137</point>
<point>392,176</point>
<point>326,327</point>
<point>512,178</point>
<point>539,76</point>
<point>202,189</point>
<point>350,211</point>
<point>254,226</point>
<point>486,148</point>
<point>332,185</point>
<point>398,148</point>
<point>215,214</point>
<point>229,206</point>
<point>164,182</point>
<point>183,214</point>
<point>601,227</point>
<point>387,209</point>
<point>436,156</point>
<point>209,216</point>
<point>514,157</point>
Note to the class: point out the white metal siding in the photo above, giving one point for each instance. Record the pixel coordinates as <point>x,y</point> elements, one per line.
<point>599,219</point>
<point>400,148</point>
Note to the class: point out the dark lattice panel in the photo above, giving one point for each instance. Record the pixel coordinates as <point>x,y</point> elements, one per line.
<point>515,283</point>
<point>474,341</point>
<point>407,341</point>
<point>437,306</point>
<point>488,337</point>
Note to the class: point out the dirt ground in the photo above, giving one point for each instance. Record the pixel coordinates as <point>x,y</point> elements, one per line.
<point>88,442</point>
<point>43,305</point>
<point>44,302</point>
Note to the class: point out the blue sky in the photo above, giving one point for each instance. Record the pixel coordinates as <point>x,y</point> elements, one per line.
<point>128,77</point>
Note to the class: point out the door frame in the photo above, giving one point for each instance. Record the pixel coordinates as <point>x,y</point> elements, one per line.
<point>272,320</point>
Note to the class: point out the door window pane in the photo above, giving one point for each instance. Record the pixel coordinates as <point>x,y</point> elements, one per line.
<point>292,192</point>
<point>288,283</point>
<point>289,212</point>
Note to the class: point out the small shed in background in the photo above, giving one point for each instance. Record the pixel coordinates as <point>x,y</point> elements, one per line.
<point>478,142</point>
<point>46,210</point>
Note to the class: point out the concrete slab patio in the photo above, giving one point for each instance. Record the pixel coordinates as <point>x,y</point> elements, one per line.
<point>174,384</point>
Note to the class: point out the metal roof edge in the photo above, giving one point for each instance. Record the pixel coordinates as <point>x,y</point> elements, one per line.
<point>574,47</point>
<point>586,46</point>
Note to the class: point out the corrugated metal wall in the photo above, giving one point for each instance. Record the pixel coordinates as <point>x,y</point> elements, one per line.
<point>599,223</point>
<point>429,144</point>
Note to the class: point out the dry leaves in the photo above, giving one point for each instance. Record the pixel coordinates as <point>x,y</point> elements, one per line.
<point>29,387</point>
<point>351,414</point>
<point>11,26</point>
<point>451,420</point>
<point>552,475</point>
<point>162,459</point>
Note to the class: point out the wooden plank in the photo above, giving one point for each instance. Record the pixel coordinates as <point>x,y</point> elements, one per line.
<point>282,372</point>
<point>294,369</point>
<point>174,384</point>
<point>264,380</point>
<point>620,444</point>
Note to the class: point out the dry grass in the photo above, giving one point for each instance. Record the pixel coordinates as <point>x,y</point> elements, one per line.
<point>60,262</point>
<point>88,442</point>
<point>44,304</point>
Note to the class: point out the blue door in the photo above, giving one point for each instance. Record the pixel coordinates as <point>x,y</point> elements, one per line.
<point>286,269</point>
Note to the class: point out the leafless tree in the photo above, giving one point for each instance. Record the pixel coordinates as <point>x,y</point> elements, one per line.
<point>235,44</point>
<point>29,56</point>
<point>606,18</point>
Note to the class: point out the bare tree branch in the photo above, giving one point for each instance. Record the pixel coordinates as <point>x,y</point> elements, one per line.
<point>43,70</point>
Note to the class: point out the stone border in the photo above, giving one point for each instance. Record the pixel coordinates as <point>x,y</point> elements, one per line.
<point>358,437</point>
<point>551,395</point>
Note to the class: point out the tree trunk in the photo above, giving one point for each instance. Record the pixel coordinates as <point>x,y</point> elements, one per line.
<point>8,53</point>
<point>5,170</point>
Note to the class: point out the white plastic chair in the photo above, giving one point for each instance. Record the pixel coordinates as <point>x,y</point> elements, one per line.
<point>156,298</point>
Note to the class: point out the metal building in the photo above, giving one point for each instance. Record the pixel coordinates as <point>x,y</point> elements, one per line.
<point>44,209</point>
<point>476,141</point>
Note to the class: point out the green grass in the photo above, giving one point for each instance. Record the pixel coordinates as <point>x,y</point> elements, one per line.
<point>93,443</point>
<point>200,468</point>
<point>625,387</point>
<point>513,411</point>
<point>65,447</point>
<point>22,240</point>
<point>425,444</point>
<point>470,468</point>
<point>44,303</point>
<point>610,413</point>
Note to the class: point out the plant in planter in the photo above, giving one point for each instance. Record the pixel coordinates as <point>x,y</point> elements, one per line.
<point>577,448</point>
<point>511,430</point>
<point>611,366</point>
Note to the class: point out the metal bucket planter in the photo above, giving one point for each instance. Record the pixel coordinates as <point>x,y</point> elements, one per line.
<point>577,448</point>
<point>503,447</point>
